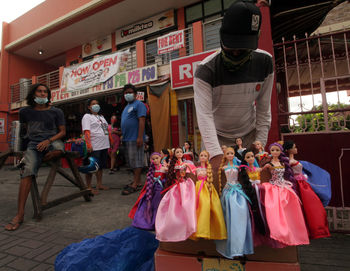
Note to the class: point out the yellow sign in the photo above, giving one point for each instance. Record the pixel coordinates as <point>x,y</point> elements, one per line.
<point>215,264</point>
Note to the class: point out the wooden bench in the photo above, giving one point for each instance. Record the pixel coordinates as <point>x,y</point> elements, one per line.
<point>40,202</point>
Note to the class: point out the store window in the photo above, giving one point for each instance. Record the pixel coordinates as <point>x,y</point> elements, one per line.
<point>210,12</point>
<point>212,7</point>
<point>132,60</point>
<point>194,13</point>
<point>228,3</point>
<point>152,57</point>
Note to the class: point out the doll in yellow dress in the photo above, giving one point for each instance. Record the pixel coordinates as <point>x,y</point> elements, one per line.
<point>210,218</point>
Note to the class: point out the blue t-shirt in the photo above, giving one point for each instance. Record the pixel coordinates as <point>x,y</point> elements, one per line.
<point>41,124</point>
<point>130,120</point>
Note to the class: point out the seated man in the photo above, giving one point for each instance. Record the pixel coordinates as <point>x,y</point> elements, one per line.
<point>45,127</point>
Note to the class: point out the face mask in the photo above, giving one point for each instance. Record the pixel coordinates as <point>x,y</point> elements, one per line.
<point>40,100</point>
<point>95,108</point>
<point>129,97</point>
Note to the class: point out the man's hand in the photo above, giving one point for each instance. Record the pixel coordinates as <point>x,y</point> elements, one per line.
<point>43,145</point>
<point>89,149</point>
<point>215,164</point>
<point>139,142</point>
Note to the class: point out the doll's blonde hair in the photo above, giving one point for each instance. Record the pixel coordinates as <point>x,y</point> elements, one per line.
<point>209,173</point>
<point>223,162</point>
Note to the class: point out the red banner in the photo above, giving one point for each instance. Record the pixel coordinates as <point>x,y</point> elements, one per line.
<point>183,69</point>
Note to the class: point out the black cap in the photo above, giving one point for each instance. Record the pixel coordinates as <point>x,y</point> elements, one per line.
<point>241,25</point>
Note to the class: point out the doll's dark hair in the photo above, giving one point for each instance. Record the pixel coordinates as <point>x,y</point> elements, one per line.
<point>149,186</point>
<point>288,145</point>
<point>249,190</point>
<point>166,152</point>
<point>189,143</point>
<point>31,94</point>
<point>171,175</point>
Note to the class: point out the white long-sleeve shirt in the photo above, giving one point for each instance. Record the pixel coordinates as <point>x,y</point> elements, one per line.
<point>232,104</point>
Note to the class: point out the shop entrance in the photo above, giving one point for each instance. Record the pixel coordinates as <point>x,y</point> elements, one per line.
<point>188,126</point>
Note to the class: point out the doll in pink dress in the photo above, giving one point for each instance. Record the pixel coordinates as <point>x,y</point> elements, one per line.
<point>314,212</point>
<point>176,216</point>
<point>284,215</point>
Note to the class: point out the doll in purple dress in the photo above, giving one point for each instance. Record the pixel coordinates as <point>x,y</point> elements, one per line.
<point>145,209</point>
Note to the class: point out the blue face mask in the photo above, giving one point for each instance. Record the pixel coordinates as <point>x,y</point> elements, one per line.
<point>95,108</point>
<point>129,97</point>
<point>40,100</point>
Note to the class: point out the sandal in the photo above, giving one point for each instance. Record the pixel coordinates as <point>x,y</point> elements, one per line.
<point>13,225</point>
<point>129,190</point>
<point>139,187</point>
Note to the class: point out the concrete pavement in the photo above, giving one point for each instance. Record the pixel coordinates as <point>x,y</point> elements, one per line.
<point>36,244</point>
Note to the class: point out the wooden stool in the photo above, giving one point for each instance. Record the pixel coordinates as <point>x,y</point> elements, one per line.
<point>40,202</point>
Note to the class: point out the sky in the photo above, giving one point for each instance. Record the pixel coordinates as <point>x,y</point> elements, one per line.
<point>12,9</point>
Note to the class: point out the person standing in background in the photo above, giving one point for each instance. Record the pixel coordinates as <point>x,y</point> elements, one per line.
<point>98,139</point>
<point>133,132</point>
<point>114,130</point>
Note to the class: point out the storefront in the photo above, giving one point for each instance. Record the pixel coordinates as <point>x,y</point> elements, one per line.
<point>73,95</point>
<point>182,72</point>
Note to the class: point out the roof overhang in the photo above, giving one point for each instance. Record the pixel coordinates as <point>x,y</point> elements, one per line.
<point>89,22</point>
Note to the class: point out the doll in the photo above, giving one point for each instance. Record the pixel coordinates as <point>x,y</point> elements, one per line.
<point>261,154</point>
<point>165,156</point>
<point>235,205</point>
<point>249,177</point>
<point>284,216</point>
<point>239,148</point>
<point>210,219</point>
<point>188,154</point>
<point>144,210</point>
<point>315,214</point>
<point>176,217</point>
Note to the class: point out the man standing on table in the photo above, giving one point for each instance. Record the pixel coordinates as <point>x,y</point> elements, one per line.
<point>232,87</point>
<point>133,132</point>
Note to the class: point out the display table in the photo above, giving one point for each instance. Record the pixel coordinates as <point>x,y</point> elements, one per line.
<point>201,255</point>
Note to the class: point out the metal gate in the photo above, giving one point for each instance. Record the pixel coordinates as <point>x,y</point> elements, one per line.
<point>313,84</point>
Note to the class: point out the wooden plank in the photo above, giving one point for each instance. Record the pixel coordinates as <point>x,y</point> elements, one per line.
<point>36,199</point>
<point>49,182</point>
<point>58,201</point>
<point>64,174</point>
<point>78,177</point>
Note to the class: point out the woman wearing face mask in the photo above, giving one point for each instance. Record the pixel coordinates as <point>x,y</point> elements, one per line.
<point>97,139</point>
<point>45,127</point>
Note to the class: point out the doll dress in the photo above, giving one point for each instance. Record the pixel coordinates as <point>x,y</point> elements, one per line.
<point>254,178</point>
<point>210,218</point>
<point>145,217</point>
<point>237,218</point>
<point>284,216</point>
<point>314,212</point>
<point>176,218</point>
